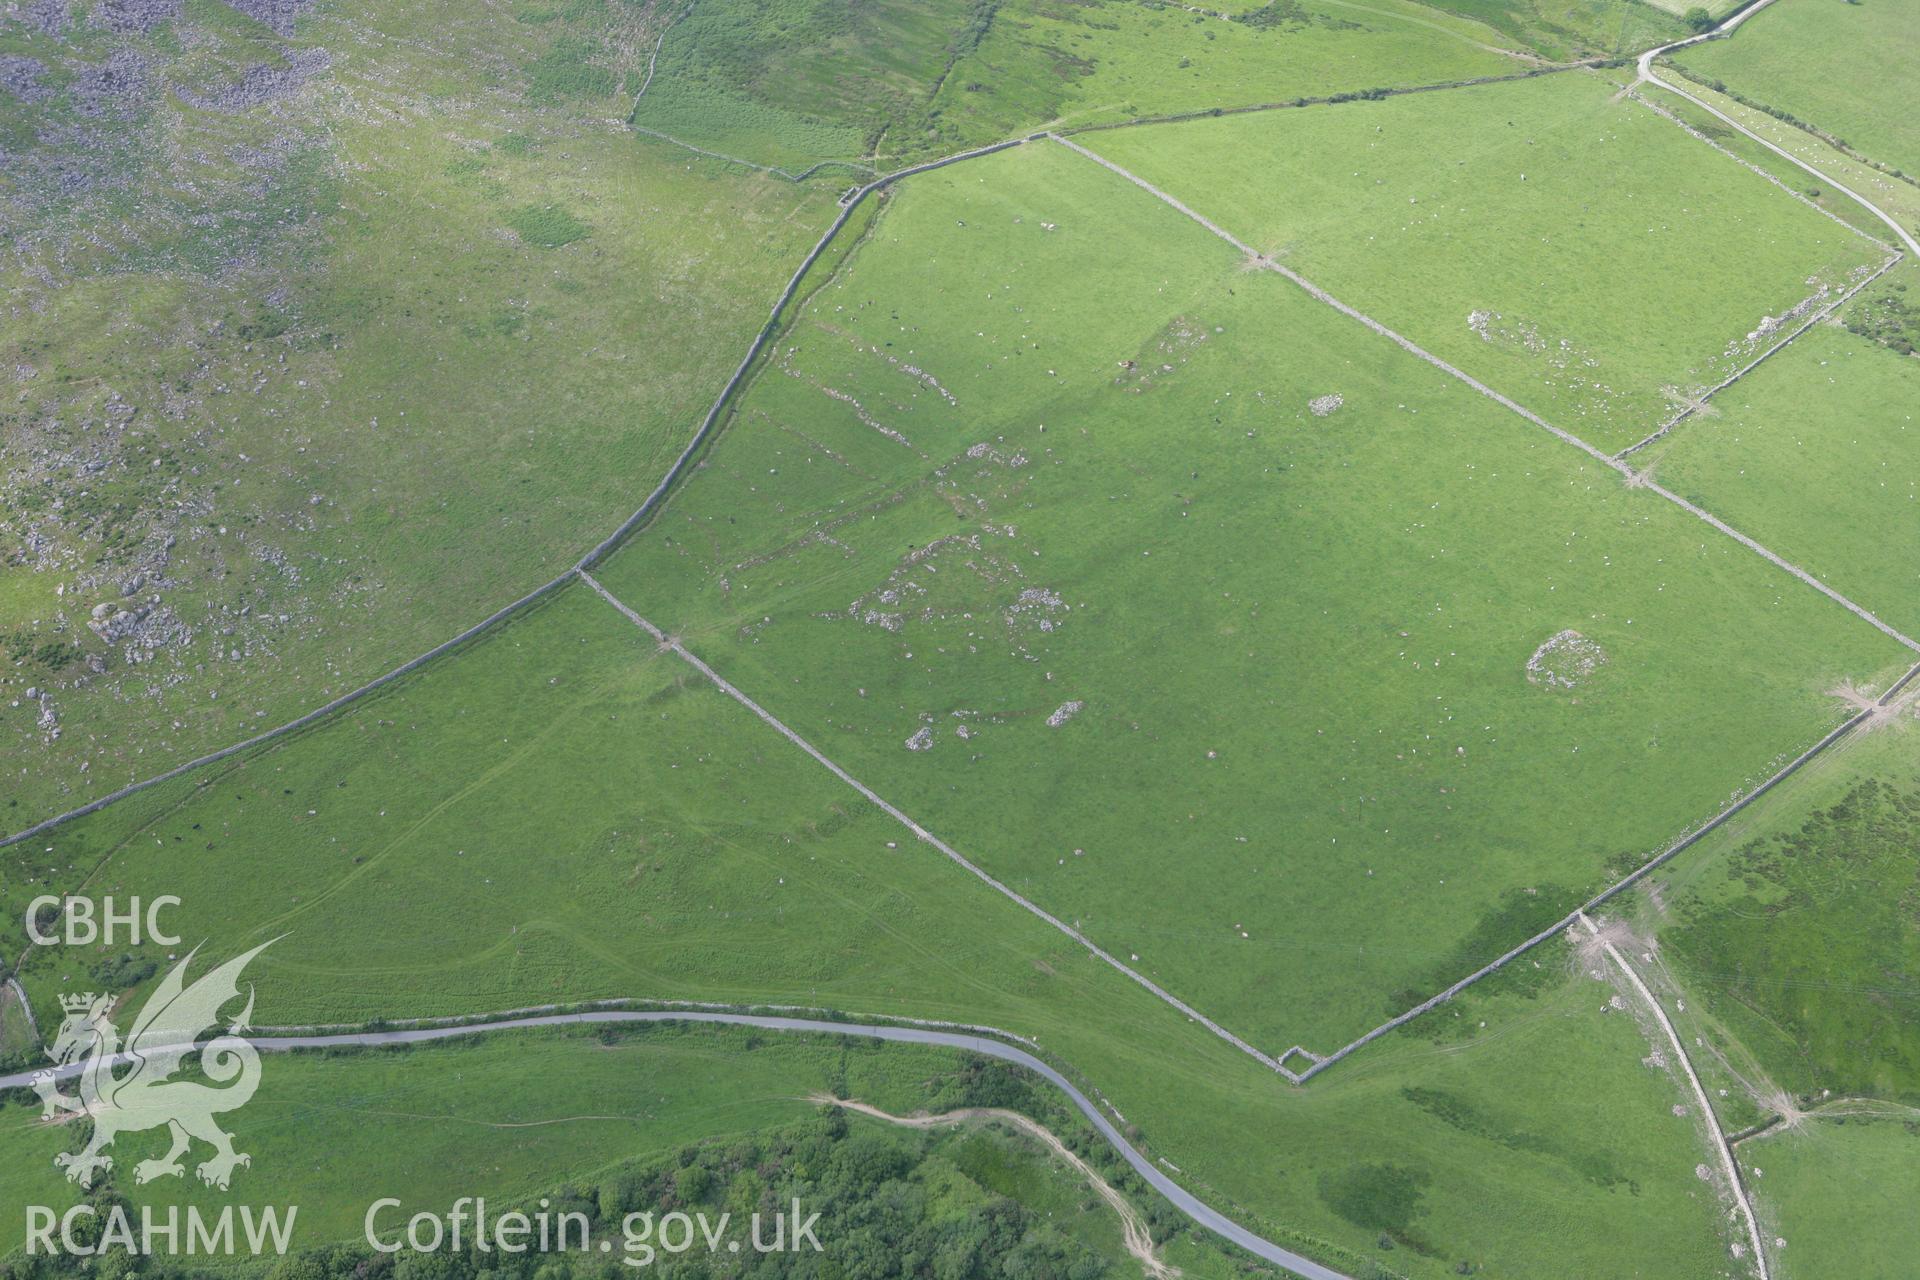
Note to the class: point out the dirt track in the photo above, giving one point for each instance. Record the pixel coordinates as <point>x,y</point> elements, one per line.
<point>1707,1114</point>
<point>1133,1227</point>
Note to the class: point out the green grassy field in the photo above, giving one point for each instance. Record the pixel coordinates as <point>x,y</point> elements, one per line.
<point>1535,1077</point>
<point>1888,314</point>
<point>1838,1194</point>
<point>1120,504</point>
<point>557,814</point>
<point>1650,264</point>
<point>1812,454</point>
<point>363,358</point>
<point>17,1041</point>
<point>1841,68</point>
<point>521,1112</point>
<point>268,417</point>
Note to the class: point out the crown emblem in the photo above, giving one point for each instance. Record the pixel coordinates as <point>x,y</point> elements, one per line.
<point>129,1090</point>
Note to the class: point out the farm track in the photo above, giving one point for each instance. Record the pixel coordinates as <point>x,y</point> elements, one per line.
<point>1728,1168</point>
<point>702,436</point>
<point>1640,873</point>
<point>1195,1209</point>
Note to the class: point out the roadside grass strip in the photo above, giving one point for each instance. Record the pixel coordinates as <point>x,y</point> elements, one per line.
<point>1845,73</point>
<point>1899,197</point>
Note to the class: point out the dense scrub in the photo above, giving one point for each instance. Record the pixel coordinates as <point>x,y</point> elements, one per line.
<point>1811,946</point>
<point>1889,318</point>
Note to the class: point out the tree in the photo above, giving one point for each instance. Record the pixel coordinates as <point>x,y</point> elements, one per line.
<point>621,1195</point>
<point>692,1184</point>
<point>1699,19</point>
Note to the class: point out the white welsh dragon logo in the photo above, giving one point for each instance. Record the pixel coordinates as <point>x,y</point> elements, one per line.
<point>144,1098</point>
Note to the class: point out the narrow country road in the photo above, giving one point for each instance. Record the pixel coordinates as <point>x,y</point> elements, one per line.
<point>1188,1204</point>
<point>1648,74</point>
